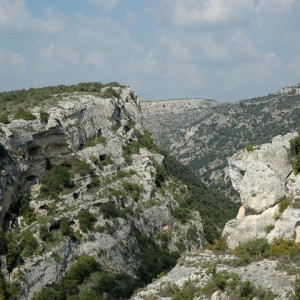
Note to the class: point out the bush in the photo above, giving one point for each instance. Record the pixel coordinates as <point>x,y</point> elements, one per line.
<point>86,220</point>
<point>12,255</point>
<point>253,250</point>
<point>56,180</point>
<point>280,247</point>
<point>24,114</point>
<point>283,205</point>
<point>181,213</point>
<point>110,210</point>
<point>133,189</point>
<point>83,169</point>
<point>249,148</point>
<point>161,174</point>
<point>44,117</point>
<point>4,117</point>
<point>93,141</point>
<point>65,228</point>
<point>294,153</point>
<point>29,243</point>
<point>82,268</point>
<point>128,150</point>
<point>45,235</point>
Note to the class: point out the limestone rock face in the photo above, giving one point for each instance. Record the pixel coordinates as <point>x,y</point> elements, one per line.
<point>259,175</point>
<point>263,177</point>
<point>113,179</point>
<point>195,268</point>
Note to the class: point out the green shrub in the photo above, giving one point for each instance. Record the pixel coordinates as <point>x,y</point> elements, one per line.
<point>110,210</point>
<point>294,153</point>
<point>45,234</point>
<point>283,205</point>
<point>181,213</point>
<point>269,228</point>
<point>24,209</point>
<point>281,247</point>
<point>64,226</point>
<point>4,117</point>
<point>86,220</point>
<point>128,150</point>
<point>253,250</point>
<point>29,243</point>
<point>56,180</point>
<point>93,141</point>
<point>83,169</point>
<point>44,117</point>
<point>21,113</point>
<point>12,255</point>
<point>249,148</point>
<point>161,174</point>
<point>110,93</point>
<point>133,189</point>
<point>82,268</point>
<point>186,292</point>
<point>219,245</point>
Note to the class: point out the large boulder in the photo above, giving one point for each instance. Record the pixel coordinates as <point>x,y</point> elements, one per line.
<point>259,175</point>
<point>263,176</point>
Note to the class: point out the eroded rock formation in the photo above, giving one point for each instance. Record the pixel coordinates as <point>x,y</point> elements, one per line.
<point>263,176</point>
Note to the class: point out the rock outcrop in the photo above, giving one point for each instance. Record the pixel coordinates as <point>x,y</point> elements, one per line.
<point>99,142</point>
<point>195,270</point>
<point>263,177</point>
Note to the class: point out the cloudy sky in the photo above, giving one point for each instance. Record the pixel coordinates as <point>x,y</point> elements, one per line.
<point>220,49</point>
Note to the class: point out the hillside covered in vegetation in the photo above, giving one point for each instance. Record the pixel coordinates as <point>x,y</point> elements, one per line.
<point>202,134</point>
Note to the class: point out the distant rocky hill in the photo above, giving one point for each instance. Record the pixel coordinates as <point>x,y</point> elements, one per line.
<point>203,133</point>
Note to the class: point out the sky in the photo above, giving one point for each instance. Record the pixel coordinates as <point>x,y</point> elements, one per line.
<point>164,49</point>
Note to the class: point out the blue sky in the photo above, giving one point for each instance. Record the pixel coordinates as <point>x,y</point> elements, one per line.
<point>218,49</point>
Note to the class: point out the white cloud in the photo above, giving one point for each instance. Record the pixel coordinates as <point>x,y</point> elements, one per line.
<point>211,11</point>
<point>104,4</point>
<point>10,59</point>
<point>277,6</point>
<point>14,16</point>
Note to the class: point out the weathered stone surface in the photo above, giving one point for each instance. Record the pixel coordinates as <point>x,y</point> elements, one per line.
<point>286,225</point>
<point>259,175</point>
<point>248,226</point>
<point>196,267</point>
<point>264,177</point>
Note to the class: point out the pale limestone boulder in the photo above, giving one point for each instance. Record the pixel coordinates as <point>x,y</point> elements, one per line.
<point>287,226</point>
<point>259,175</point>
<point>263,178</point>
<point>247,226</point>
<point>261,187</point>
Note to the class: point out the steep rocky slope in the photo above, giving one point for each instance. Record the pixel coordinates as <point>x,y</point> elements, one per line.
<point>203,133</point>
<point>262,260</point>
<point>80,176</point>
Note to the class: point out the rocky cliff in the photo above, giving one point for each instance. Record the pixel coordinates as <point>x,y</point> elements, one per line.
<point>262,259</point>
<point>264,178</point>
<point>80,176</point>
